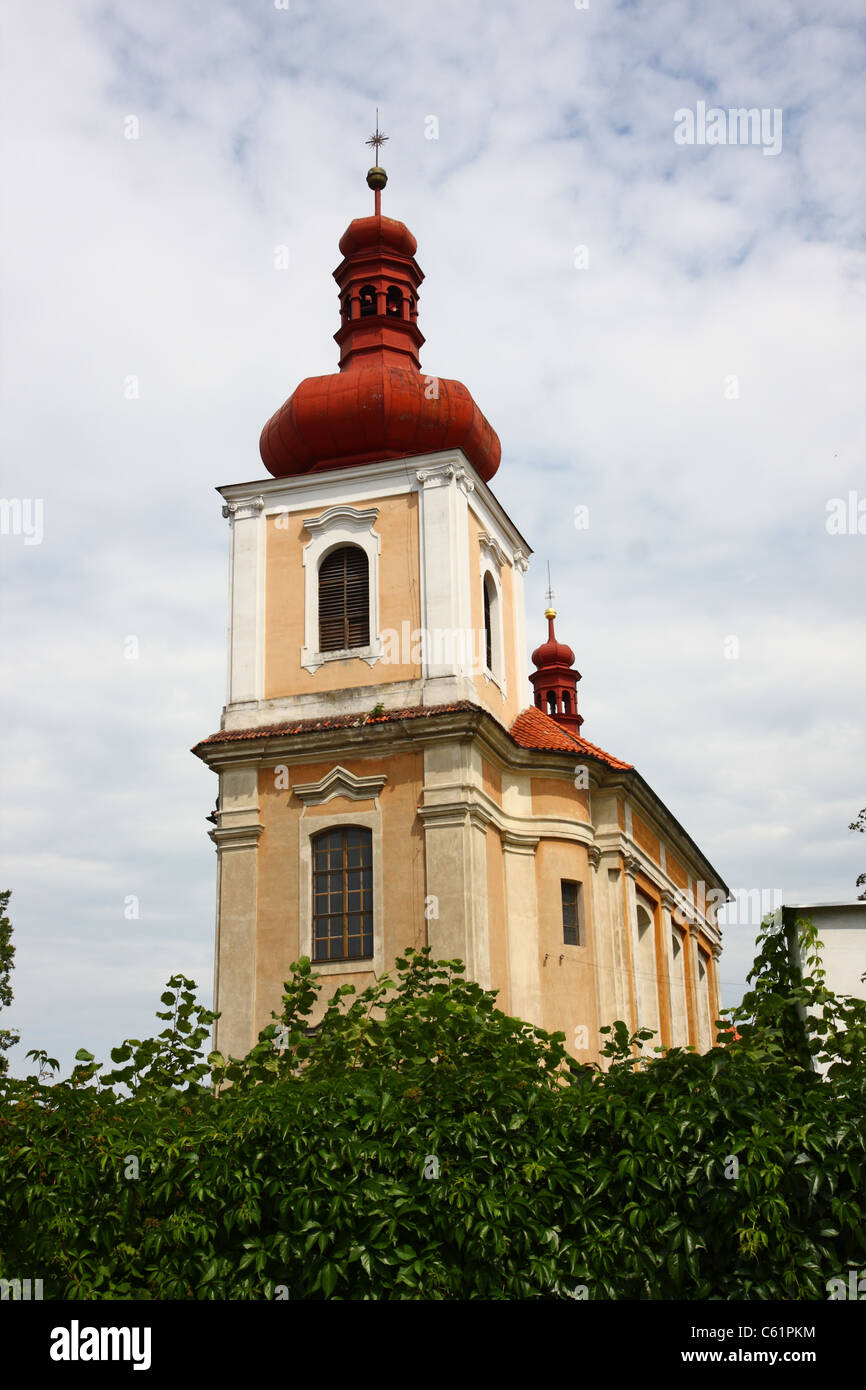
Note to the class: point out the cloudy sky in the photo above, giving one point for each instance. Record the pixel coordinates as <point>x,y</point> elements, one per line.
<point>670,335</point>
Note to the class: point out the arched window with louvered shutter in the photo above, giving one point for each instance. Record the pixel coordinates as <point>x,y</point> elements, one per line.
<point>344,600</point>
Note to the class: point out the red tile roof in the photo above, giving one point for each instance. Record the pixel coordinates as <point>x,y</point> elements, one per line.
<point>336,721</point>
<point>534,729</point>
<point>531,729</point>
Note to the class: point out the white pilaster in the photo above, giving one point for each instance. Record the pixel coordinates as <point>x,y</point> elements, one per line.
<point>246,625</point>
<point>236,838</point>
<point>521,565</point>
<point>521,910</point>
<point>445,589</point>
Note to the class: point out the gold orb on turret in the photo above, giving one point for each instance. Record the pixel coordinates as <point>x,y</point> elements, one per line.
<point>376,177</point>
<point>550,612</point>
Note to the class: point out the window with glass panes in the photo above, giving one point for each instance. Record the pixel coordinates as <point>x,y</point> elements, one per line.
<point>572,933</point>
<point>343,894</point>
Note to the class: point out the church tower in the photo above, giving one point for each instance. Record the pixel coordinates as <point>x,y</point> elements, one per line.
<point>382,782</point>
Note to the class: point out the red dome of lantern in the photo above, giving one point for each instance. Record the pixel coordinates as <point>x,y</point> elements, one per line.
<point>379,405</point>
<point>377,233</point>
<point>551,652</point>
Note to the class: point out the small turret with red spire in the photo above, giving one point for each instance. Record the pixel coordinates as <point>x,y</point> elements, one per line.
<point>555,680</point>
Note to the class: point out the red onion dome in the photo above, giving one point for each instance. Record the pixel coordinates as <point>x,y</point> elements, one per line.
<point>377,233</point>
<point>551,652</point>
<point>375,411</point>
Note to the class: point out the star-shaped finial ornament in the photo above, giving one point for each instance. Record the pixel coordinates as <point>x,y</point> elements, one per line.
<point>378,139</point>
<point>549,589</point>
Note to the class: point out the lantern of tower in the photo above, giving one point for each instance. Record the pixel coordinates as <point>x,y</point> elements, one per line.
<point>555,680</point>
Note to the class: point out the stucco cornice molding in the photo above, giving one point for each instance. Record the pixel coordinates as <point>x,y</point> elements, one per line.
<point>479,817</point>
<point>443,475</point>
<point>519,842</point>
<point>234,837</point>
<point>632,865</point>
<point>391,477</point>
<point>263,746</point>
<point>449,813</point>
<point>339,782</point>
<point>248,508</point>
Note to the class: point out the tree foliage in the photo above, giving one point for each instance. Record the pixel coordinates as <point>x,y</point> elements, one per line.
<point>419,1144</point>
<point>7,955</point>
<point>860,824</point>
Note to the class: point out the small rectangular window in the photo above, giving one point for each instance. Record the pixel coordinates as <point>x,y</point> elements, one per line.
<point>572,913</point>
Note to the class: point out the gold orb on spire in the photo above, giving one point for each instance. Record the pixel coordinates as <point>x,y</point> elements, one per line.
<point>376,177</point>
<point>550,612</point>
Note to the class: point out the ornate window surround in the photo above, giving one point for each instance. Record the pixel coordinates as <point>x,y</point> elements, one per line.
<point>337,526</point>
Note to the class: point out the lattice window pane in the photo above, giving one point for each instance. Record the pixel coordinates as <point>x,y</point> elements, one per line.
<point>343,894</point>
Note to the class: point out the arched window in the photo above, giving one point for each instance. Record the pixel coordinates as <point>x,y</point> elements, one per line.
<point>344,600</point>
<point>367,299</point>
<point>413,312</point>
<point>647,972</point>
<point>343,894</point>
<point>488,622</point>
<point>394,301</point>
<point>705,1037</point>
<point>566,702</point>
<point>679,1010</point>
<point>492,654</point>
<point>551,702</point>
<point>347,307</point>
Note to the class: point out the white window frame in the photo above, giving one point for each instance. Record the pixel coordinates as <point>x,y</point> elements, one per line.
<point>331,529</point>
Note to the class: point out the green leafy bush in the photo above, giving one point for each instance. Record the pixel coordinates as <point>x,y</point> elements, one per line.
<point>421,1144</point>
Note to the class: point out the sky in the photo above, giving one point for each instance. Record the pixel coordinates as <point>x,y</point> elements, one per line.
<point>667,337</point>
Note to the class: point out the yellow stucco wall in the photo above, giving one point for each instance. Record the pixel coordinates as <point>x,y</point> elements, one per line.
<point>491,781</point>
<point>675,869</point>
<point>568,990</point>
<point>399,602</point>
<point>645,837</point>
<point>558,796</point>
<point>403,889</point>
